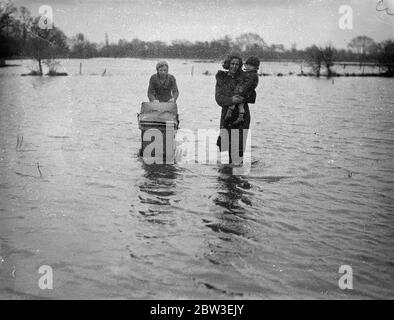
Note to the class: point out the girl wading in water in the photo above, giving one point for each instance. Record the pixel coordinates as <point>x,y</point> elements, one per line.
<point>233,141</point>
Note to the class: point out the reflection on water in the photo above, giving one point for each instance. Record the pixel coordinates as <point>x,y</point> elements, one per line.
<point>319,193</point>
<point>232,190</point>
<point>157,189</point>
<point>160,179</point>
<point>231,196</point>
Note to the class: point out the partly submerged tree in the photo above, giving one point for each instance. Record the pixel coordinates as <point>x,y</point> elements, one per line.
<point>45,43</point>
<point>318,57</point>
<point>314,58</point>
<point>328,55</point>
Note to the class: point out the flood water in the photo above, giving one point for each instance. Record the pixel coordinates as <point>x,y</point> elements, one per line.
<point>76,196</point>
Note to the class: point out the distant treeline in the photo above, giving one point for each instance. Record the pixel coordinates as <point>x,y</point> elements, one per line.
<point>21,36</point>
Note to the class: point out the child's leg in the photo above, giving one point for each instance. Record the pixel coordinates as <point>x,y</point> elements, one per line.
<point>229,113</point>
<point>241,108</point>
<point>241,112</point>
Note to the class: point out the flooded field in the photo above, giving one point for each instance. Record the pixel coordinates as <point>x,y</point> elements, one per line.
<point>74,195</point>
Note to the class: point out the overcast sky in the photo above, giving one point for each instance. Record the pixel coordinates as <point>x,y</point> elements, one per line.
<point>303,22</point>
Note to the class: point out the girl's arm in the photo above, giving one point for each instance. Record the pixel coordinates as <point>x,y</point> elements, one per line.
<point>224,100</point>
<point>221,93</point>
<point>175,91</point>
<point>151,90</point>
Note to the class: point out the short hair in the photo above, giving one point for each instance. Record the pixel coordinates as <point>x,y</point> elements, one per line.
<point>253,61</point>
<point>161,64</point>
<point>227,61</point>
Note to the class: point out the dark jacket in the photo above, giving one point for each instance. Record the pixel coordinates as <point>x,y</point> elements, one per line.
<point>161,91</point>
<point>247,84</point>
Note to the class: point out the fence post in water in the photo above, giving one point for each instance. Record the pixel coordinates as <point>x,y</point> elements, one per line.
<point>39,171</point>
<point>80,68</point>
<point>192,71</point>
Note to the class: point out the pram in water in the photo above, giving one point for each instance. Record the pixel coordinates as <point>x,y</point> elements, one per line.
<point>158,122</point>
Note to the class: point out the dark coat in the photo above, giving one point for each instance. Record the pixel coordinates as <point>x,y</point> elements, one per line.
<point>225,87</point>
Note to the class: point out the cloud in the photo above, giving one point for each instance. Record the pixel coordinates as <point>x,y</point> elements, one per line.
<point>386,5</point>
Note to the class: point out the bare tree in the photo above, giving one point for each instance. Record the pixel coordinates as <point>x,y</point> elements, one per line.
<point>361,45</point>
<point>386,57</point>
<point>7,10</point>
<point>26,21</point>
<point>248,40</point>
